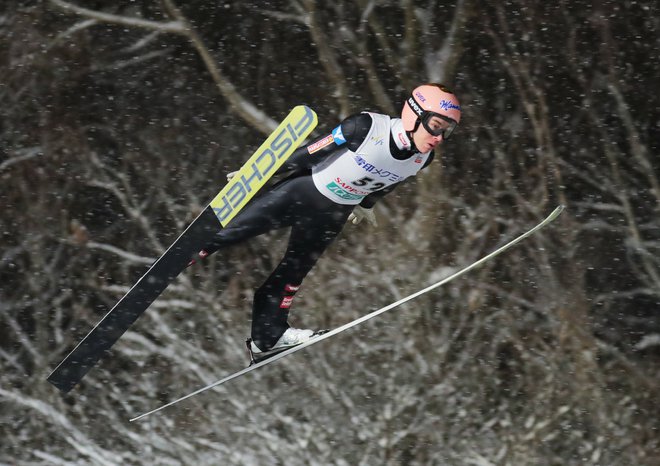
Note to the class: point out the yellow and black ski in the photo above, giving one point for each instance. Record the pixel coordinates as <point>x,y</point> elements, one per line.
<point>221,210</point>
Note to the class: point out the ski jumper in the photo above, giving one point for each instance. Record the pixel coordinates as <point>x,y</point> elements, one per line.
<point>364,158</point>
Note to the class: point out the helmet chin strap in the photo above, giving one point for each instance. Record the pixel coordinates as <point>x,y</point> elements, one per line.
<point>413,147</point>
<point>410,134</point>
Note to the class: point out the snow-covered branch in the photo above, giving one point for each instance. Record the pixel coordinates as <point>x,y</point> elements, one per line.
<point>176,27</point>
<point>181,26</point>
<point>22,156</point>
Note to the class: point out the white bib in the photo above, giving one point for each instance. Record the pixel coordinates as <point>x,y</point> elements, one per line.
<point>347,177</point>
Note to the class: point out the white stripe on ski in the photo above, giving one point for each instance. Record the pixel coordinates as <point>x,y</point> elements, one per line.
<point>555,213</point>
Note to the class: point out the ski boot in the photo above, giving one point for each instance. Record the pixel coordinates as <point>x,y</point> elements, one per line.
<point>290,338</point>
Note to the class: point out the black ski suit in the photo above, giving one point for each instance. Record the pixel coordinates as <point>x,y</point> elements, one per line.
<point>315,221</point>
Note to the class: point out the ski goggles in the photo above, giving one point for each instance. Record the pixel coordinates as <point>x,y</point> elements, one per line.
<point>440,126</point>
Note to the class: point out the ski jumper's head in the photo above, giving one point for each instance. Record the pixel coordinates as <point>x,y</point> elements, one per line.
<point>430,115</point>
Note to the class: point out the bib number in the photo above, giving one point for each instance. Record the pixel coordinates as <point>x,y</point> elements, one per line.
<point>367,183</point>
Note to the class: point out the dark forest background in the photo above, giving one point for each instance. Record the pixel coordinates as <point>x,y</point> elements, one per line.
<point>119,121</point>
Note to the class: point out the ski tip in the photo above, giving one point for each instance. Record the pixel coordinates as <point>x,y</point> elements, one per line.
<point>555,213</point>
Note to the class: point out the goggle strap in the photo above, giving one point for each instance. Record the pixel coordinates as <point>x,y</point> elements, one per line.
<point>415,106</point>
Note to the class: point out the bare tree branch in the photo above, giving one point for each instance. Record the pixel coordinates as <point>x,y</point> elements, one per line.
<point>408,60</point>
<point>79,26</point>
<point>172,26</point>
<point>245,109</point>
<point>638,148</point>
<point>181,26</point>
<point>364,57</point>
<point>441,62</point>
<point>328,59</point>
<point>125,255</point>
<point>65,427</point>
<point>24,154</point>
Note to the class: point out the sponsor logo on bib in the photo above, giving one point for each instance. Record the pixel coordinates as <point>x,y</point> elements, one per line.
<point>341,192</point>
<point>338,136</point>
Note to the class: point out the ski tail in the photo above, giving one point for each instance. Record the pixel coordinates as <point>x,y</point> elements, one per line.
<point>131,306</point>
<point>254,174</point>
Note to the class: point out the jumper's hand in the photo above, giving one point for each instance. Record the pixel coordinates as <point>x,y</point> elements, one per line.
<point>360,213</point>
